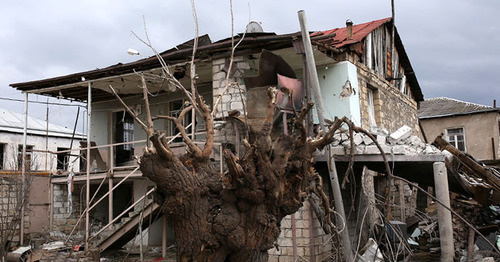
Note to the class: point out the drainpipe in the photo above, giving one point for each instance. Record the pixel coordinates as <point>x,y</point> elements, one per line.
<point>311,66</point>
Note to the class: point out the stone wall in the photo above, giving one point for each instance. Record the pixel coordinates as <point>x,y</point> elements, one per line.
<point>233,99</point>
<point>10,194</point>
<point>304,232</point>
<point>63,219</point>
<point>393,109</point>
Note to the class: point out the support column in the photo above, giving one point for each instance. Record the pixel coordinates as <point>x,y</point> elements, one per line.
<point>23,168</point>
<point>87,195</point>
<point>444,215</point>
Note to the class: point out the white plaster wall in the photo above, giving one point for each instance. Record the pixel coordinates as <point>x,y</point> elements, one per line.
<point>12,140</point>
<point>331,80</point>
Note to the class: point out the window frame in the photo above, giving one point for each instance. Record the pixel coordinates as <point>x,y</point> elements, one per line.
<point>456,140</point>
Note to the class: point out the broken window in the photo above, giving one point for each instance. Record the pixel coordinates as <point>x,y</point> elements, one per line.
<point>2,148</point>
<point>175,108</point>
<point>456,137</point>
<point>62,159</point>
<point>371,108</point>
<point>124,132</point>
<point>29,150</point>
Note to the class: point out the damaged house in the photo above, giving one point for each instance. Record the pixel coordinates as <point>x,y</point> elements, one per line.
<point>364,74</point>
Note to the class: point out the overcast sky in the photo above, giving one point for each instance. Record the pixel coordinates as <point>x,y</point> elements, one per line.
<point>454,46</point>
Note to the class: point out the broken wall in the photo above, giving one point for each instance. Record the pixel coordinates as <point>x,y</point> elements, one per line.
<point>393,109</point>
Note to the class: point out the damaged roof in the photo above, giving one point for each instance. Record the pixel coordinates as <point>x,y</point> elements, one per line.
<point>444,106</point>
<point>14,123</point>
<point>334,39</point>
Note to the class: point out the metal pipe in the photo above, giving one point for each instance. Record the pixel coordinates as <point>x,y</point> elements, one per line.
<point>313,78</point>
<point>311,68</point>
<point>87,195</point>
<point>23,168</point>
<point>124,212</point>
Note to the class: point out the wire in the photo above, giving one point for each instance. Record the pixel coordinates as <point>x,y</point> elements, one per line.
<point>40,102</point>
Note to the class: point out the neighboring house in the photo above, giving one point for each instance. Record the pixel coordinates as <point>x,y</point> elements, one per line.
<point>42,159</point>
<point>472,128</point>
<point>361,77</point>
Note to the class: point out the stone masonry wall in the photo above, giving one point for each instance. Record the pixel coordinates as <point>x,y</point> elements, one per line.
<point>393,109</point>
<point>233,99</point>
<point>321,245</point>
<point>63,219</point>
<point>10,193</point>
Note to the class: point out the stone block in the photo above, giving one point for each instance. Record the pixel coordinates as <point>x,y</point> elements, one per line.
<point>400,134</point>
<point>58,204</point>
<point>338,150</point>
<point>358,139</point>
<point>219,76</point>
<point>220,61</point>
<point>381,139</point>
<point>367,140</point>
<point>398,150</point>
<point>243,65</point>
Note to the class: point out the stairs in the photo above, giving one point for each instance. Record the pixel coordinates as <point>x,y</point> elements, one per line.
<point>126,231</point>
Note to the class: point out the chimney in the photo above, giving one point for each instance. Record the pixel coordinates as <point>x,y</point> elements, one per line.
<point>348,25</point>
<point>494,103</point>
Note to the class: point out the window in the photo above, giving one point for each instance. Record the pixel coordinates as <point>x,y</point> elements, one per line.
<point>29,150</point>
<point>371,108</point>
<point>456,137</point>
<point>62,159</point>
<point>124,132</point>
<point>175,108</point>
<point>2,148</point>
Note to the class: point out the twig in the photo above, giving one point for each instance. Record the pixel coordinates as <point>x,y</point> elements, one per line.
<point>136,118</point>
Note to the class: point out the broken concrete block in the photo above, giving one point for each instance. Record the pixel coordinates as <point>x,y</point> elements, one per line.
<point>429,150</point>
<point>343,136</point>
<point>373,150</point>
<point>358,139</point>
<point>400,134</point>
<point>367,140</point>
<point>379,131</point>
<point>381,140</point>
<point>398,150</point>
<point>338,150</point>
<point>336,142</point>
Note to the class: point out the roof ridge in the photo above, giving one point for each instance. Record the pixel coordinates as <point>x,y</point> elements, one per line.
<point>460,101</point>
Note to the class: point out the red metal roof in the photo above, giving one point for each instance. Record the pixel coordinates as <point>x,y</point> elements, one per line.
<point>339,35</point>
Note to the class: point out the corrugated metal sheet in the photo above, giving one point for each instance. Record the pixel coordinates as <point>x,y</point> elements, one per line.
<point>339,35</point>
<point>444,106</point>
<point>14,122</point>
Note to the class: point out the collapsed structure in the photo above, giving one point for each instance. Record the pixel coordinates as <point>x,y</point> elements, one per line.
<point>364,74</point>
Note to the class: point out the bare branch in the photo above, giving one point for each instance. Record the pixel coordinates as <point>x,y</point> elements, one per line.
<point>328,136</point>
<point>149,120</point>
<point>136,118</point>
<point>182,130</point>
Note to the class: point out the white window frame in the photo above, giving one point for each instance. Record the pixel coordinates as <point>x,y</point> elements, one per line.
<point>455,142</point>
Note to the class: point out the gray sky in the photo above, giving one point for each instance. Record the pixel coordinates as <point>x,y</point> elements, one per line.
<point>453,46</point>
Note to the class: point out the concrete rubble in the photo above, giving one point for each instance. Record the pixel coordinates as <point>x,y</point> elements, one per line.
<point>400,142</point>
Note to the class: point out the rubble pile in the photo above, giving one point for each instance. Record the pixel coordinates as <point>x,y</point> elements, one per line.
<point>400,142</point>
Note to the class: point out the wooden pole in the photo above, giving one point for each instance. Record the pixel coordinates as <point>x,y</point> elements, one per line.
<point>444,215</point>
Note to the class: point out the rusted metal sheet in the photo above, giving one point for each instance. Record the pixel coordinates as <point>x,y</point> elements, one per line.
<point>339,35</point>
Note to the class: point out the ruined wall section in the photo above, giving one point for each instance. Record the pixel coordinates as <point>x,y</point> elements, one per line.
<point>233,99</point>
<point>393,109</point>
<point>64,218</point>
<point>308,238</point>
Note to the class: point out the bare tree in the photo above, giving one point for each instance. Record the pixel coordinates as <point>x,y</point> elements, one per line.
<point>12,199</point>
